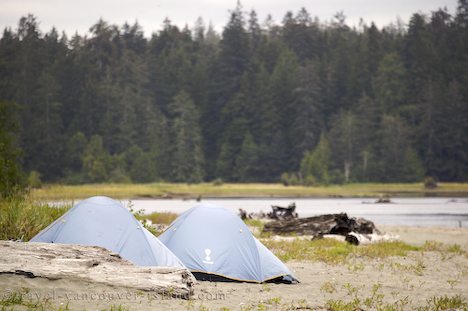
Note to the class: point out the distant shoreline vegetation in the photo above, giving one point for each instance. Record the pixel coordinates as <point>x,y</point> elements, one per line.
<point>204,190</point>
<point>299,101</point>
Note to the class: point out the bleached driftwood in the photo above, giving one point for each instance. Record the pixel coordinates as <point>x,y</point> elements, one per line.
<point>358,239</point>
<point>91,264</point>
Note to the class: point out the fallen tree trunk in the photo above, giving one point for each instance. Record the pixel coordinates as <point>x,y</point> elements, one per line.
<point>91,264</point>
<point>320,225</point>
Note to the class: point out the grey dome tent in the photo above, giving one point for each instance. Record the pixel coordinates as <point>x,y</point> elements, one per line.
<point>101,221</point>
<point>215,244</point>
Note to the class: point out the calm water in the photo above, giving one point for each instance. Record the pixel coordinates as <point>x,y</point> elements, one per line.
<point>442,212</point>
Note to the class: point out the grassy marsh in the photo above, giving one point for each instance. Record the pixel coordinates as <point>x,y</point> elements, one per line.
<point>169,190</point>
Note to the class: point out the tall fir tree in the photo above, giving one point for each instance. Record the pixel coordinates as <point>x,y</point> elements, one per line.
<point>188,161</point>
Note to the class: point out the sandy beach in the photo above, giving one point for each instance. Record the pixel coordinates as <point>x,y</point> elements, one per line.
<point>402,282</point>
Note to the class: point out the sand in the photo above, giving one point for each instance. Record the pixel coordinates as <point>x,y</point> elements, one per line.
<point>407,282</point>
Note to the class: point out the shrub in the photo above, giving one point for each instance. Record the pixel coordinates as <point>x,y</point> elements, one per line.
<point>34,180</point>
<point>310,181</point>
<point>285,179</point>
<point>430,183</point>
<point>218,182</point>
<point>290,179</point>
<point>118,175</point>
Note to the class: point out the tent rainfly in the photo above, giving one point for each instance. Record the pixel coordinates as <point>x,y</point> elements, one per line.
<point>102,221</point>
<point>216,245</point>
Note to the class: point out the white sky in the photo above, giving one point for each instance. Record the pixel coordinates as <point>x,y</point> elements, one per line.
<point>79,15</point>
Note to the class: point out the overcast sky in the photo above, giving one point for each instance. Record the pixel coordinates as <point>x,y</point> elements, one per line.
<point>79,15</point>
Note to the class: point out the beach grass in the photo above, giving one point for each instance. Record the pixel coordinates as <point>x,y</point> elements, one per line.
<point>24,299</point>
<point>334,252</point>
<point>164,218</point>
<point>375,302</point>
<point>21,219</point>
<point>181,190</point>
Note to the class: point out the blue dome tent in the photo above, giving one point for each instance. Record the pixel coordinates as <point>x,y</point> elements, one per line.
<point>101,221</point>
<point>215,244</point>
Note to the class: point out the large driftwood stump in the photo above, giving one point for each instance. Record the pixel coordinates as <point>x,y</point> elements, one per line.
<point>320,225</point>
<point>91,264</point>
<point>283,213</point>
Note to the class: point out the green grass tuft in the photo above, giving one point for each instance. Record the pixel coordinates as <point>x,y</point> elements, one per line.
<point>22,299</point>
<point>434,246</point>
<point>445,303</point>
<point>165,218</point>
<point>340,305</point>
<point>386,249</point>
<point>22,219</point>
<point>334,252</point>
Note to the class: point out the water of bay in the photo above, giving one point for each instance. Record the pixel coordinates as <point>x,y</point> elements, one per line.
<point>440,212</point>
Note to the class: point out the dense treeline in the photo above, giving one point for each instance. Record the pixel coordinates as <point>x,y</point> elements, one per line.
<point>312,102</point>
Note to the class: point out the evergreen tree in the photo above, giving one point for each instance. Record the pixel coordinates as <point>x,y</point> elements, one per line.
<point>48,128</point>
<point>233,55</point>
<point>247,160</point>
<point>10,170</point>
<point>234,116</point>
<point>95,160</point>
<point>451,144</point>
<point>284,81</point>
<point>140,165</point>
<point>315,165</point>
<point>368,114</point>
<point>308,122</point>
<point>264,125</point>
<point>345,143</point>
<point>74,151</point>
<point>396,158</point>
<point>232,62</point>
<point>188,158</point>
<point>389,83</point>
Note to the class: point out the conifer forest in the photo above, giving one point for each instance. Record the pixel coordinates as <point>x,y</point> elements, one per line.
<point>301,100</point>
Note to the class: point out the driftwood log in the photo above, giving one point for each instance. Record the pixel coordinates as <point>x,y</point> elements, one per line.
<point>318,226</point>
<point>91,264</point>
